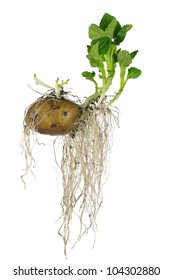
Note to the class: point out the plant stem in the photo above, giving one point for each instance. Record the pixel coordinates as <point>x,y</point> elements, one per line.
<point>39,82</point>
<point>110,69</point>
<point>57,89</point>
<point>122,76</point>
<point>91,98</point>
<point>117,94</point>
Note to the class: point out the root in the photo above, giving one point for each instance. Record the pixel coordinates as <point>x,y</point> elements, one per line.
<point>84,166</point>
<point>28,140</point>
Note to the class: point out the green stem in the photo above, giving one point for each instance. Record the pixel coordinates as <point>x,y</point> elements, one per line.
<point>110,69</point>
<point>122,76</point>
<point>103,88</point>
<point>117,94</point>
<point>122,85</point>
<point>59,86</point>
<point>93,96</point>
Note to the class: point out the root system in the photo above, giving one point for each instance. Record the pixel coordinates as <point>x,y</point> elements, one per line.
<point>83,165</point>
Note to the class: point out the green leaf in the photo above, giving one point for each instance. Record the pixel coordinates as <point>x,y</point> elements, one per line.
<point>122,33</point>
<point>133,54</point>
<point>94,56</point>
<point>124,58</point>
<point>105,21</point>
<point>118,50</point>
<point>117,29</point>
<point>115,58</point>
<point>133,73</point>
<point>95,32</point>
<point>88,75</point>
<point>88,48</point>
<point>104,45</point>
<point>109,31</point>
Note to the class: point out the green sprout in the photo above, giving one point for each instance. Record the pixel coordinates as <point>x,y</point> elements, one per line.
<point>105,55</point>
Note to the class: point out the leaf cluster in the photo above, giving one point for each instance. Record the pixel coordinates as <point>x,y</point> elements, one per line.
<point>105,54</point>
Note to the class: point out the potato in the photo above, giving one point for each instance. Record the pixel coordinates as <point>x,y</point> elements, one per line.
<point>52,116</point>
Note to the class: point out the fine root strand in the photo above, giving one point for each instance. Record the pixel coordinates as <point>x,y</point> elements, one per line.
<point>29,139</point>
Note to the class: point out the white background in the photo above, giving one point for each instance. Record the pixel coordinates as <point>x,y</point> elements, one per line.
<point>134,225</point>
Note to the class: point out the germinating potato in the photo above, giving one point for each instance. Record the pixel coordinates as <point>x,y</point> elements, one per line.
<point>52,116</point>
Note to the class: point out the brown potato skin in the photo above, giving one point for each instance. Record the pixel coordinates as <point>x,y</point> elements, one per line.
<point>52,116</point>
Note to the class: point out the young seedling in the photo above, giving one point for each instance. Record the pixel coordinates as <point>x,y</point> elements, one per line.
<point>85,126</point>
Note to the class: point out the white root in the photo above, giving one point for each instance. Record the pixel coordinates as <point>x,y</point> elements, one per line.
<point>84,166</point>
<point>28,141</point>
